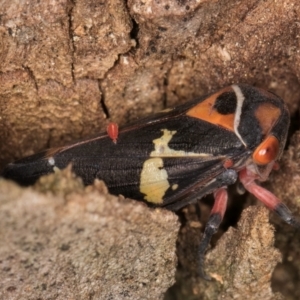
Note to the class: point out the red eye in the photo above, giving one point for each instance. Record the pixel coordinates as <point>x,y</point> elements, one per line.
<point>267,151</point>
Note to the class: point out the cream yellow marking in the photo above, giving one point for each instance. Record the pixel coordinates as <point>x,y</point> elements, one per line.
<point>162,149</point>
<point>56,169</point>
<point>154,178</point>
<point>174,187</point>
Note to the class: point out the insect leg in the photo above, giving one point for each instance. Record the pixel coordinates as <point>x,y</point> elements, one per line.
<point>267,198</point>
<point>215,219</point>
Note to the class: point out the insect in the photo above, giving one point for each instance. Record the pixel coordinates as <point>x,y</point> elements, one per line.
<point>177,156</point>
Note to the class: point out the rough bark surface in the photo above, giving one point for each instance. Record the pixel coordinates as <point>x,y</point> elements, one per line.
<point>286,185</point>
<point>69,67</point>
<point>241,264</point>
<point>63,241</point>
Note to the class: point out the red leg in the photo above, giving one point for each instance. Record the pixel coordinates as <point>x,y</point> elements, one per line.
<point>215,219</point>
<point>267,198</point>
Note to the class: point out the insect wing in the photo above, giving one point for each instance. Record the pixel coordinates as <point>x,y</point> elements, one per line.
<point>158,163</point>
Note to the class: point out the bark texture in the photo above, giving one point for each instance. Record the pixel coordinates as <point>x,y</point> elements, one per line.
<point>67,69</point>
<point>63,241</point>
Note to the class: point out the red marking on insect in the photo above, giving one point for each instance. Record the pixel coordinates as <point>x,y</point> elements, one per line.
<point>113,131</point>
<point>228,163</point>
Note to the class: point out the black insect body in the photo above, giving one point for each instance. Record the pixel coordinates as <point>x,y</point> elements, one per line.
<point>178,156</point>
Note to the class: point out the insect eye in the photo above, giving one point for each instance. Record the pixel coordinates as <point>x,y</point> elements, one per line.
<point>267,151</point>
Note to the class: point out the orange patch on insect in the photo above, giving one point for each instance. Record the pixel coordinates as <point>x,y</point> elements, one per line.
<point>267,115</point>
<point>206,112</point>
<point>267,151</point>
